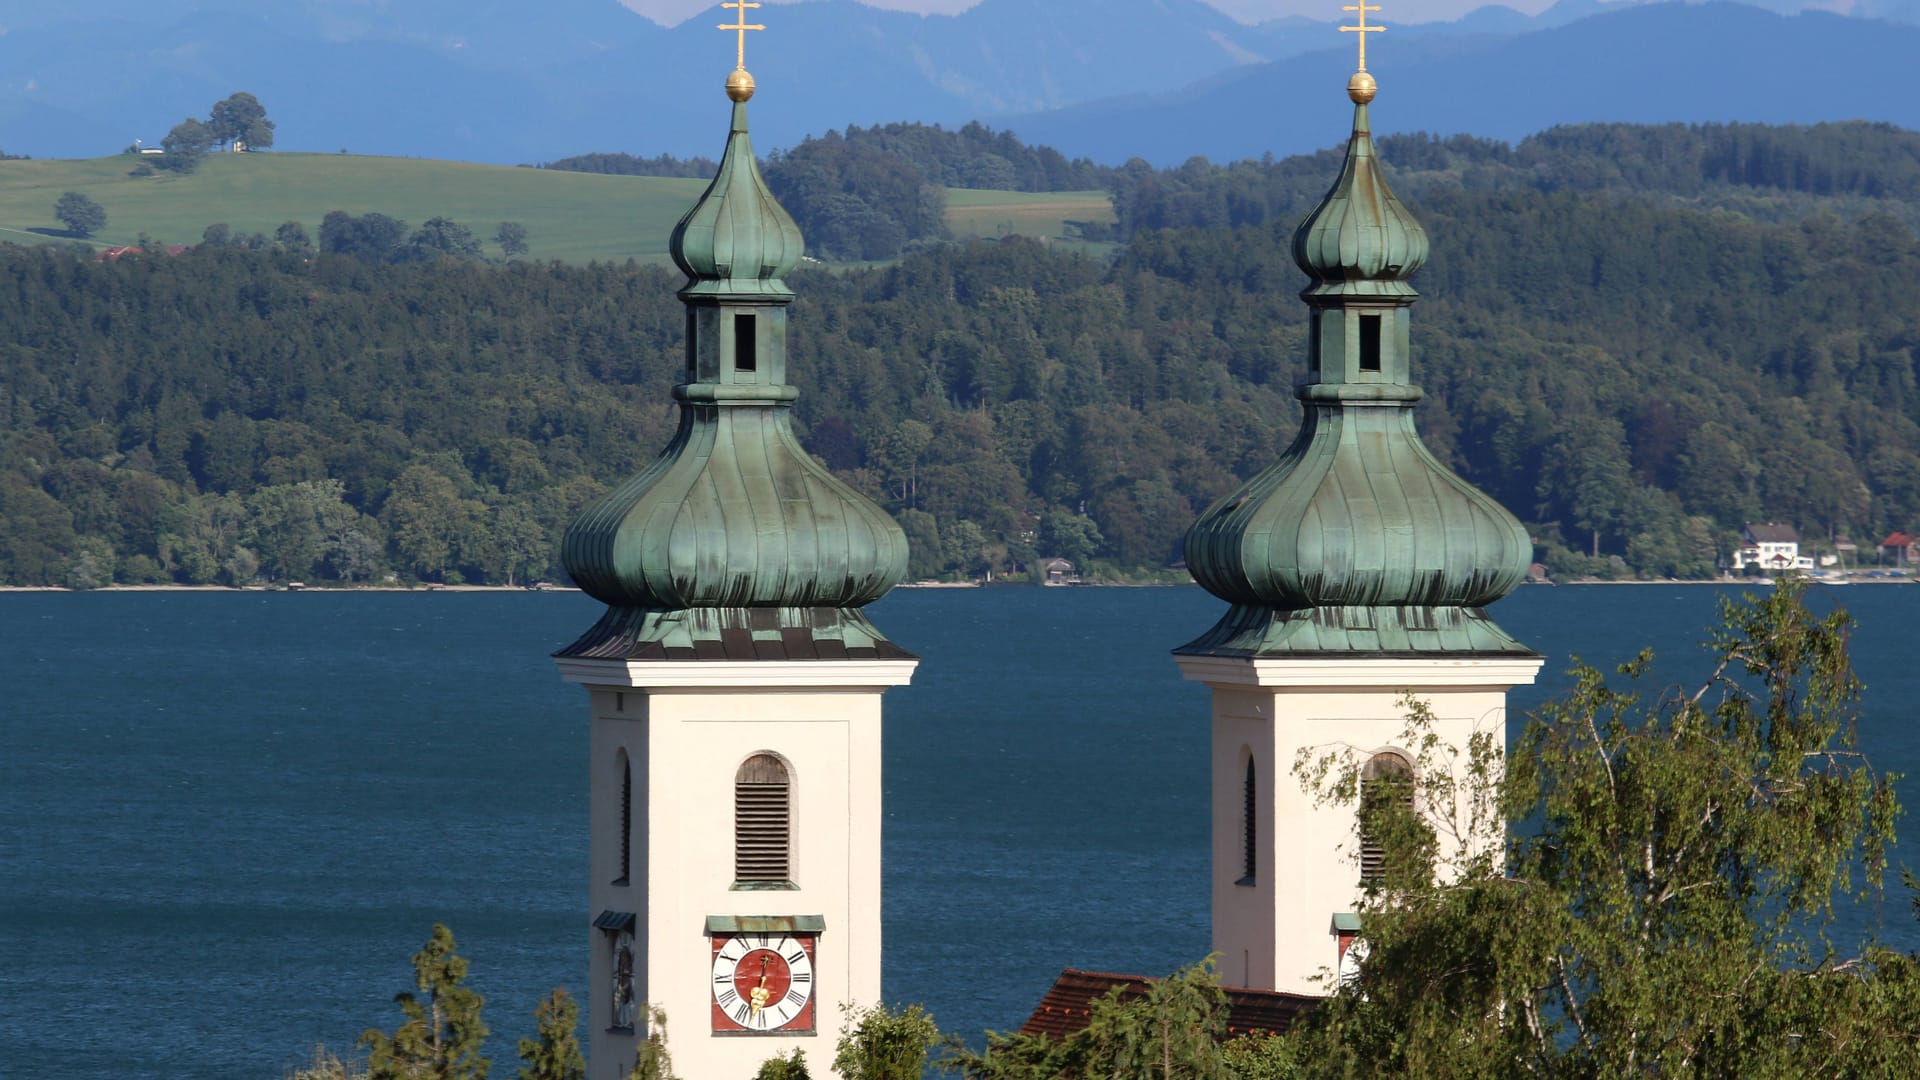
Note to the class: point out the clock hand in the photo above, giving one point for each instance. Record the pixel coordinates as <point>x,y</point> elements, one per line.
<point>760,995</point>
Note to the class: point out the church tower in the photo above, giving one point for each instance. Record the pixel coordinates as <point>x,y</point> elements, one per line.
<point>734,685</point>
<point>1357,568</point>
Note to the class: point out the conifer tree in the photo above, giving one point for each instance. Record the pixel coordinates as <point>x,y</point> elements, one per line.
<point>554,1051</point>
<point>651,1061</point>
<point>443,1033</point>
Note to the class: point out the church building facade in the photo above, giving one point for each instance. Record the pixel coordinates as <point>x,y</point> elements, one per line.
<point>734,687</point>
<point>1358,569</point>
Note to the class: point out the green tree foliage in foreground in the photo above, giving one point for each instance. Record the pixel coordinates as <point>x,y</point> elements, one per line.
<point>1664,904</point>
<point>780,1067</point>
<point>1169,1029</point>
<point>80,214</point>
<point>878,1043</point>
<point>443,1033</point>
<point>554,1051</point>
<point>651,1061</point>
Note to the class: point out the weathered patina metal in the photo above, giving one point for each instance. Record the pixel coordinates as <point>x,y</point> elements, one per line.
<point>1358,542</point>
<point>734,543</point>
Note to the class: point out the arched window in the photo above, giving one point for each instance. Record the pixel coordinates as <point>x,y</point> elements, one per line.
<point>1249,828</point>
<point>1386,775</point>
<point>625,769</point>
<point>762,821</point>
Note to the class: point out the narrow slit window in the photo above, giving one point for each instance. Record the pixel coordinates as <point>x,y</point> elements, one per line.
<point>1369,343</point>
<point>693,362</point>
<point>1386,776</point>
<point>626,820</point>
<point>1249,828</point>
<point>744,353</point>
<point>762,820</point>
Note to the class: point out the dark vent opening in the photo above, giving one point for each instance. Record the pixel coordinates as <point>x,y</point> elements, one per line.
<point>744,353</point>
<point>626,821</point>
<point>1249,829</point>
<point>1369,343</point>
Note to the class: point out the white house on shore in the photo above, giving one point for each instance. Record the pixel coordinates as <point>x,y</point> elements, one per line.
<point>1771,548</point>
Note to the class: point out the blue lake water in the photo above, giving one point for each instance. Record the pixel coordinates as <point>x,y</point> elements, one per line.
<point>227,819</point>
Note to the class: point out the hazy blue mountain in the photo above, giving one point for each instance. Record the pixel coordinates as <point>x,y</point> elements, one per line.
<point>503,80</point>
<point>1659,63</point>
<point>509,81</point>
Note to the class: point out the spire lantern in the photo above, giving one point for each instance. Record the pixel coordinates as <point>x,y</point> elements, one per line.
<point>1358,540</point>
<point>734,526</point>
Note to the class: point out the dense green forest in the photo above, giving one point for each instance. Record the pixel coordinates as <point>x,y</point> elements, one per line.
<point>1685,339</point>
<point>870,193</point>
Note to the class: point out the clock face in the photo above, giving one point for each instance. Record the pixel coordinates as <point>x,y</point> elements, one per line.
<point>762,983</point>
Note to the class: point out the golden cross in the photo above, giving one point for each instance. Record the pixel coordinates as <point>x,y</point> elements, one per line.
<point>1362,7</point>
<point>741,25</point>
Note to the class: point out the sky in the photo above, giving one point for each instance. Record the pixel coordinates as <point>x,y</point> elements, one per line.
<point>671,12</point>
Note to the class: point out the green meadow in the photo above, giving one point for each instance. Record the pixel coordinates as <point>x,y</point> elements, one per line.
<point>973,213</point>
<point>572,217</point>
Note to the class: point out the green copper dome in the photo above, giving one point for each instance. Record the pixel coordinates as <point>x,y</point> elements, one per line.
<point>1358,542</point>
<point>734,543</point>
<point>1361,240</point>
<point>737,238</point>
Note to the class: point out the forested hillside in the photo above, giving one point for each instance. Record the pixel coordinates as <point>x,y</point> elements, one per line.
<point>1636,370</point>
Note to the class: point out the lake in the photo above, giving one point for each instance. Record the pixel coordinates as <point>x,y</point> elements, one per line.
<point>228,819</point>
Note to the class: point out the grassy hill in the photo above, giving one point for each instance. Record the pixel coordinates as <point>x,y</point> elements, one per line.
<point>573,217</point>
<point>974,213</point>
<point>569,216</point>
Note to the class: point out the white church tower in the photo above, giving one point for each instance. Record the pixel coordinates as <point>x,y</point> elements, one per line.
<point>1358,568</point>
<point>734,687</point>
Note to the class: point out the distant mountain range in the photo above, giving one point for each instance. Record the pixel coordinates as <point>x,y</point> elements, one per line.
<point>511,82</point>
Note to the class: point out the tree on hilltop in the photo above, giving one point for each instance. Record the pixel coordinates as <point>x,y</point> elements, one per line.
<point>80,214</point>
<point>185,145</point>
<point>241,117</point>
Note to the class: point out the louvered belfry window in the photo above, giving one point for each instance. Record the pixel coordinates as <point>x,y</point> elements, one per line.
<point>762,821</point>
<point>1393,773</point>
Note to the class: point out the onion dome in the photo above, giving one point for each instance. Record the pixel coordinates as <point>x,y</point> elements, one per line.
<point>735,544</point>
<point>737,239</point>
<point>1361,239</point>
<point>1358,542</point>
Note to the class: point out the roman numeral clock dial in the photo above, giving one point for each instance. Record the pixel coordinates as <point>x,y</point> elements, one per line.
<point>762,984</point>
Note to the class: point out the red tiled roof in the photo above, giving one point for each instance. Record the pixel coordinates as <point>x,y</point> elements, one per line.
<point>1898,539</point>
<point>1069,1004</point>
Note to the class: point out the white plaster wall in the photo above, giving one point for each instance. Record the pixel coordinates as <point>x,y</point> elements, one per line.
<point>1277,933</point>
<point>686,743</point>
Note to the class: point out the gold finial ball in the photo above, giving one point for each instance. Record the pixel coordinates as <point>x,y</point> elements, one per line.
<point>740,85</point>
<point>1361,88</point>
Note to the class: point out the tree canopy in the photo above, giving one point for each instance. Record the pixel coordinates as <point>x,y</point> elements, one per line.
<point>79,213</point>
<point>1664,902</point>
<point>1635,373</point>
